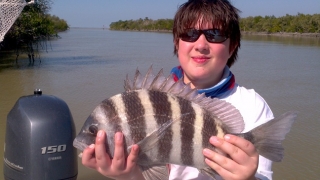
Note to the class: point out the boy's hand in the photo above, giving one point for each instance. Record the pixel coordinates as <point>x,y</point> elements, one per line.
<point>242,162</point>
<point>95,157</point>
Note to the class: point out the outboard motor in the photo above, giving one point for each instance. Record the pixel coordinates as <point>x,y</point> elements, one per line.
<point>38,141</point>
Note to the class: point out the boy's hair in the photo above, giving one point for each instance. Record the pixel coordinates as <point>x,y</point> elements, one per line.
<point>220,13</point>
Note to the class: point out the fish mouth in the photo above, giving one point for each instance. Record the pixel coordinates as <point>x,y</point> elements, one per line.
<point>80,145</point>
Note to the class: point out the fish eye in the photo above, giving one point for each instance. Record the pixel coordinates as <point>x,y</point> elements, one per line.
<point>93,130</point>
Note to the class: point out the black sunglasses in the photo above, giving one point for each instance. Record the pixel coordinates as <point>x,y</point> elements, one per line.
<point>212,35</point>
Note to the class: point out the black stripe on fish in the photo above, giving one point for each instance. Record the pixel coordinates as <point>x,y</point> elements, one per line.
<point>135,115</point>
<point>110,110</point>
<point>163,113</point>
<point>112,114</point>
<point>209,129</point>
<point>187,131</point>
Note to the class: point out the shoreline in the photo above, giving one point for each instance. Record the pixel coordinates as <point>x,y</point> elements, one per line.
<point>283,34</point>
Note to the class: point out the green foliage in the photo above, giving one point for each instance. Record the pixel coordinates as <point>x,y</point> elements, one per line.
<point>300,23</point>
<point>145,24</point>
<point>58,24</point>
<point>34,25</point>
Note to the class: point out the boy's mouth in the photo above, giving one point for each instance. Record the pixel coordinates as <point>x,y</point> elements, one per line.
<point>200,59</point>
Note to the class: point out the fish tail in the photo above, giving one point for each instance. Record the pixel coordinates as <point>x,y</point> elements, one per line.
<point>267,138</point>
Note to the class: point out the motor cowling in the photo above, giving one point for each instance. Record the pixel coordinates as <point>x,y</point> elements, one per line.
<point>38,140</point>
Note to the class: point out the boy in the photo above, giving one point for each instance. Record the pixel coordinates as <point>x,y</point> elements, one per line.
<point>206,41</point>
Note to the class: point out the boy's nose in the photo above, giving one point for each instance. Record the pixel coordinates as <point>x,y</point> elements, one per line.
<point>202,44</point>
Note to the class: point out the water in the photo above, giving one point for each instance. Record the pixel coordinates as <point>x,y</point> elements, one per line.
<point>86,66</point>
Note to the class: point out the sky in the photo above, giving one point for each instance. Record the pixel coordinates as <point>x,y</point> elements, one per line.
<point>100,13</point>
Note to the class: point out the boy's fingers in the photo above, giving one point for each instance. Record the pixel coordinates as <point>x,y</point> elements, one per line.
<point>102,158</point>
<point>218,162</point>
<point>119,158</point>
<point>88,157</point>
<point>220,170</point>
<point>133,156</point>
<point>240,149</point>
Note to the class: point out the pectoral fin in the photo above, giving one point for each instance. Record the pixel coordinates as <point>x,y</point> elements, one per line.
<point>151,141</point>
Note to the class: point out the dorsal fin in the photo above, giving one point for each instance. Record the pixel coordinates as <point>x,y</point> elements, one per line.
<point>227,113</point>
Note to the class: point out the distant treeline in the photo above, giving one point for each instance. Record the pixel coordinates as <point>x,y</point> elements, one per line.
<point>145,24</point>
<point>301,23</point>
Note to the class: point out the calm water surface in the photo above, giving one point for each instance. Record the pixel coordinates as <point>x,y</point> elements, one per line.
<point>86,66</point>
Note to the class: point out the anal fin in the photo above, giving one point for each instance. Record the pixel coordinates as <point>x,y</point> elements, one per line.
<point>155,172</point>
<point>210,172</point>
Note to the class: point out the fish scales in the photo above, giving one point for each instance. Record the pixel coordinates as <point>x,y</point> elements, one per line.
<point>175,129</point>
<point>131,108</point>
<point>114,114</point>
<point>166,108</point>
<point>135,112</point>
<point>163,112</point>
<point>187,131</point>
<point>209,130</point>
<point>197,139</point>
<point>149,116</point>
<point>102,114</point>
<point>172,124</point>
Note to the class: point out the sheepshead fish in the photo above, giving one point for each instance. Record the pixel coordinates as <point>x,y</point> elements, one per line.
<point>172,124</point>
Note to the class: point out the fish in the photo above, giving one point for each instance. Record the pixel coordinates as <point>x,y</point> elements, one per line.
<point>172,124</point>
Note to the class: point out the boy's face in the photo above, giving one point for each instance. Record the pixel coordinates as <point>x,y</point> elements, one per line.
<point>203,62</point>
